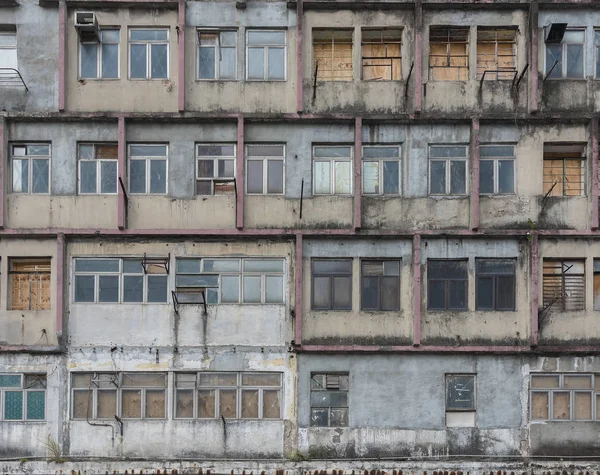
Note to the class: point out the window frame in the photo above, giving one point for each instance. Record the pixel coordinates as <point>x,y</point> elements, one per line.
<point>264,159</point>
<point>98,162</point>
<point>386,57</point>
<point>380,278</point>
<point>99,58</point>
<point>333,41</point>
<point>563,57</point>
<point>43,261</point>
<point>448,170</point>
<point>494,276</point>
<point>24,401</point>
<point>326,390</point>
<point>583,165</point>
<point>381,161</point>
<point>12,47</point>
<point>473,408</point>
<point>448,43</point>
<point>215,159</point>
<point>597,53</point>
<point>148,159</point>
<point>582,303</point>
<point>504,72</point>
<point>332,160</point>
<point>446,281</point>
<point>148,44</point>
<point>30,159</point>
<point>331,277</point>
<point>496,169</point>
<point>266,48</point>
<point>218,47</point>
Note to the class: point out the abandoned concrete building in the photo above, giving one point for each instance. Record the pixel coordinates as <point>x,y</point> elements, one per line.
<point>300,235</point>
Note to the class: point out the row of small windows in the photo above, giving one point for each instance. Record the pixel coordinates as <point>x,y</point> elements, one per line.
<point>563,169</point>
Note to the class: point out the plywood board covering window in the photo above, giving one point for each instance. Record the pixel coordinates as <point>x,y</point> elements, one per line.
<point>381,55</point>
<point>332,55</point>
<point>564,284</point>
<point>29,284</point>
<point>564,170</point>
<point>496,53</point>
<point>448,53</point>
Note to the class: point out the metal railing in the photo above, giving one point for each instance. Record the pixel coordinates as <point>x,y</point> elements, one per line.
<point>11,77</point>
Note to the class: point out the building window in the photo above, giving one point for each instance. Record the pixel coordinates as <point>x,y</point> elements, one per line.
<point>495,288</point>
<point>215,169</point>
<point>30,168</point>
<point>29,281</point>
<point>97,168</point>
<point>118,281</point>
<point>565,397</point>
<point>332,55</point>
<point>447,284</point>
<point>380,285</point>
<point>332,284</point>
<point>264,174</point>
<point>564,284</point>
<point>149,54</point>
<point>564,169</point>
<point>22,397</point>
<point>99,55</point>
<point>461,402</point>
<point>8,49</point>
<point>497,170</point>
<point>329,399</point>
<point>448,53</point>
<point>232,281</point>
<point>217,54</point>
<point>228,395</point>
<point>148,169</point>
<point>597,50</point>
<point>566,59</point>
<point>382,55</point>
<point>126,395</point>
<point>596,284</point>
<point>496,54</point>
<point>381,170</point>
<point>448,170</point>
<point>265,55</point>
<point>332,170</point>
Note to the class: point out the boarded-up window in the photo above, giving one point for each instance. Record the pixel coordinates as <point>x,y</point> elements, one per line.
<point>496,54</point>
<point>448,53</point>
<point>29,284</point>
<point>332,55</point>
<point>564,169</point>
<point>381,55</point>
<point>564,284</point>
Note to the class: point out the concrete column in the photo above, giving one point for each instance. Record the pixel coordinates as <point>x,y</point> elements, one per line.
<point>358,173</point>
<point>534,288</point>
<point>533,58</point>
<point>60,284</point>
<point>181,56</point>
<point>299,56</point>
<point>594,190</point>
<point>239,174</point>
<point>416,290</point>
<point>62,56</point>
<point>418,105</point>
<point>474,174</point>
<point>122,174</point>
<point>299,279</point>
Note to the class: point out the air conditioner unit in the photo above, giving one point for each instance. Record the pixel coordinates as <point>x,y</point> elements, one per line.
<point>86,21</point>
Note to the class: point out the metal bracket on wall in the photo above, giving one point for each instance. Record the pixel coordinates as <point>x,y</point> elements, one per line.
<point>189,296</point>
<point>408,80</point>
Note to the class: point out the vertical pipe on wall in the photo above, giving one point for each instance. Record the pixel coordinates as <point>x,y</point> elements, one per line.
<point>594,190</point>
<point>416,290</point>
<point>239,174</point>
<point>60,283</point>
<point>299,65</point>
<point>533,59</point>
<point>181,56</point>
<point>535,276</point>
<point>62,57</point>
<point>418,105</point>
<point>357,173</point>
<point>474,174</point>
<point>299,272</point>
<point>121,165</point>
<point>3,160</point>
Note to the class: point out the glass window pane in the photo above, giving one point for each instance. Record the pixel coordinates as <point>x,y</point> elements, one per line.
<point>158,176</point>
<point>319,417</point>
<point>226,168</point>
<point>554,54</point>
<point>343,178</point>
<point>13,405</point>
<point>342,292</point>
<point>188,266</point>
<point>88,177</point>
<point>391,177</point>
<point>575,61</point>
<point>506,176</point>
<point>206,404</point>
<point>251,289</point>
<point>228,38</point>
<point>328,266</point>
<point>137,61</point>
<point>221,265</point>
<point>274,291</point>
<point>436,295</point>
<point>485,293</point>
<point>338,417</point>
<point>258,37</point>
<point>108,177</point>
<point>207,62</point>
<point>20,176</point>
<point>458,176</point>
<point>322,178</point>
<point>184,404</point>
<point>458,151</point>
<point>137,178</point>
<point>89,60</point>
<point>230,289</point>
<point>81,404</point>
<point>265,150</point>
<point>110,61</point>
<point>40,176</point>
<point>381,152</point>
<point>321,293</point>
<point>457,294</point>
<point>486,177</point>
<point>10,380</point>
<point>157,288</point>
<point>96,265</point>
<point>494,151</point>
<point>86,151</point>
<point>84,288</point>
<point>110,36</point>
<point>597,60</point>
<point>227,63</point>
<point>390,293</point>
<point>255,176</point>
<point>255,66</point>
<point>505,292</point>
<point>276,64</point>
<point>149,35</point>
<point>333,152</point>
<point>108,288</point>
<point>148,150</point>
<point>578,382</point>
<point>370,178</point>
<point>206,168</point>
<point>263,265</point>
<point>274,176</point>
<point>370,293</point>
<point>133,288</point>
<point>437,177</point>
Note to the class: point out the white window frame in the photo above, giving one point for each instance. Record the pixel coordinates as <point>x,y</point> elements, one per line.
<point>563,54</point>
<point>332,161</point>
<point>381,160</point>
<point>218,48</point>
<point>98,162</point>
<point>12,46</point>
<point>265,167</point>
<point>448,160</point>
<point>596,41</point>
<point>99,42</point>
<point>31,158</point>
<point>496,161</point>
<point>148,44</point>
<point>266,54</point>
<point>22,389</point>
<point>148,159</point>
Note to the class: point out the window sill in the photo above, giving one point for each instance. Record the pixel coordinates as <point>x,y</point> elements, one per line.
<point>266,80</point>
<point>448,196</point>
<point>265,194</point>
<point>123,303</point>
<point>98,79</point>
<point>97,194</point>
<point>217,81</point>
<point>149,79</point>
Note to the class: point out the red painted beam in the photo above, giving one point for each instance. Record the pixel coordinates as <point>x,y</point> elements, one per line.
<point>474,198</point>
<point>535,276</point>
<point>62,56</point>
<point>60,283</point>
<point>239,174</point>
<point>358,173</point>
<point>299,272</point>
<point>594,191</point>
<point>122,168</point>
<point>583,349</point>
<point>299,56</point>
<point>181,56</point>
<point>416,290</point>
